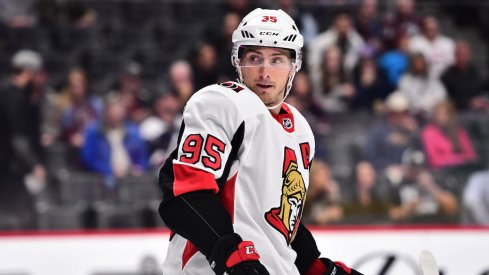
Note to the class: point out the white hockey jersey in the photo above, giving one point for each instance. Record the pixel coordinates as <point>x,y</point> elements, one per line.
<point>258,164</point>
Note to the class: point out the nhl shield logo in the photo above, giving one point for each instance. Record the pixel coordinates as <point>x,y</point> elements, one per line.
<point>287,123</point>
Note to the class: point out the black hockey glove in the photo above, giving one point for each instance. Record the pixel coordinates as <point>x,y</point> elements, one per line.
<point>324,266</point>
<point>236,257</point>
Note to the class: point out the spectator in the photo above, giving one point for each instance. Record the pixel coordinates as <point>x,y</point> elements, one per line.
<point>334,92</point>
<point>21,153</point>
<point>446,143</point>
<point>301,97</point>
<point>395,62</point>
<point>371,84</point>
<point>222,42</point>
<point>404,22</point>
<point>181,80</point>
<point>368,25</point>
<point>361,200</point>
<point>135,97</point>
<point>21,107</point>
<point>341,35</point>
<point>304,19</point>
<point>161,129</point>
<point>76,108</point>
<point>418,196</point>
<point>113,147</point>
<point>437,49</point>
<point>204,65</point>
<point>422,92</point>
<point>323,197</point>
<point>475,201</point>
<point>17,13</point>
<point>463,81</point>
<point>389,138</point>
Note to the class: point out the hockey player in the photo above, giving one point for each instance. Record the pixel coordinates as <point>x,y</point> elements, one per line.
<point>235,187</point>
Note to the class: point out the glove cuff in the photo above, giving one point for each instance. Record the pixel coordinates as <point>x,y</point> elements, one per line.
<point>343,266</point>
<point>325,266</point>
<point>317,267</point>
<point>245,252</point>
<point>229,251</point>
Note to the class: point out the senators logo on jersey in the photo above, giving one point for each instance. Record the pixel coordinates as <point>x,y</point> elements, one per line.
<point>287,216</point>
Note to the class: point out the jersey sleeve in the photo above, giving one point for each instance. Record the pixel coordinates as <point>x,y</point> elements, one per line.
<point>210,122</point>
<point>306,248</point>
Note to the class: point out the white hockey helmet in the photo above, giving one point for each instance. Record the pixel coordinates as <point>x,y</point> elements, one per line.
<point>268,28</point>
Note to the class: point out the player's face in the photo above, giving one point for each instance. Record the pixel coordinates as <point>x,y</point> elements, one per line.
<point>266,71</point>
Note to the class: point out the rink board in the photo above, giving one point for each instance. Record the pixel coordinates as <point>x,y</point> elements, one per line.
<point>458,250</point>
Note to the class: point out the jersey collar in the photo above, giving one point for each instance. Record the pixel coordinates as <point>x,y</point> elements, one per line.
<point>285,118</point>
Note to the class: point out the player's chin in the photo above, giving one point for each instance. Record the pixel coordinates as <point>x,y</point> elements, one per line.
<point>265,94</point>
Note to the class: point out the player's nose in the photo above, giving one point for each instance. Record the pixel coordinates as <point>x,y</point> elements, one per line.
<point>264,72</point>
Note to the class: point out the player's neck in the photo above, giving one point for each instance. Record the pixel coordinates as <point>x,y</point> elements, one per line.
<point>276,110</point>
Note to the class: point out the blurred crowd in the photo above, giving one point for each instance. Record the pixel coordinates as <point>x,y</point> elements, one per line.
<point>92,93</point>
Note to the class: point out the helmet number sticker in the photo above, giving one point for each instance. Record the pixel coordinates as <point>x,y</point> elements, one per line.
<point>267,18</point>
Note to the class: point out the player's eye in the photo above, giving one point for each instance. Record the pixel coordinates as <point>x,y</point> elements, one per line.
<point>255,59</point>
<point>278,60</point>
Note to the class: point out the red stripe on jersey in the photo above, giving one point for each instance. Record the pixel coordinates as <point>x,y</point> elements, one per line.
<point>285,118</point>
<point>306,153</point>
<point>188,252</point>
<point>274,220</point>
<point>227,196</point>
<point>188,179</point>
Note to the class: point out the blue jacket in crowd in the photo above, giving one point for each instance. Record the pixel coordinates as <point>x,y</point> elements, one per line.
<point>96,150</point>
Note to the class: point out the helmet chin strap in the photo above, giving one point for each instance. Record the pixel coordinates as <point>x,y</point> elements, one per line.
<point>275,106</point>
<point>287,91</point>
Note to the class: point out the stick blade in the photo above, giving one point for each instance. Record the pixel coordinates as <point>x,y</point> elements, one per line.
<point>428,263</point>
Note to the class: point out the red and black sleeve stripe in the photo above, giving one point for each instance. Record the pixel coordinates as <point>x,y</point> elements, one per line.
<point>199,216</point>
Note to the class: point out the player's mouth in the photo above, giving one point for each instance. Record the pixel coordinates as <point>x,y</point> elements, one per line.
<point>264,86</point>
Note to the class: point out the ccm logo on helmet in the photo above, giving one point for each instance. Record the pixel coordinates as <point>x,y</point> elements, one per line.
<point>269,33</point>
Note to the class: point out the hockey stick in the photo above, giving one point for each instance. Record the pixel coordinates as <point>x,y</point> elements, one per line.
<point>428,264</point>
